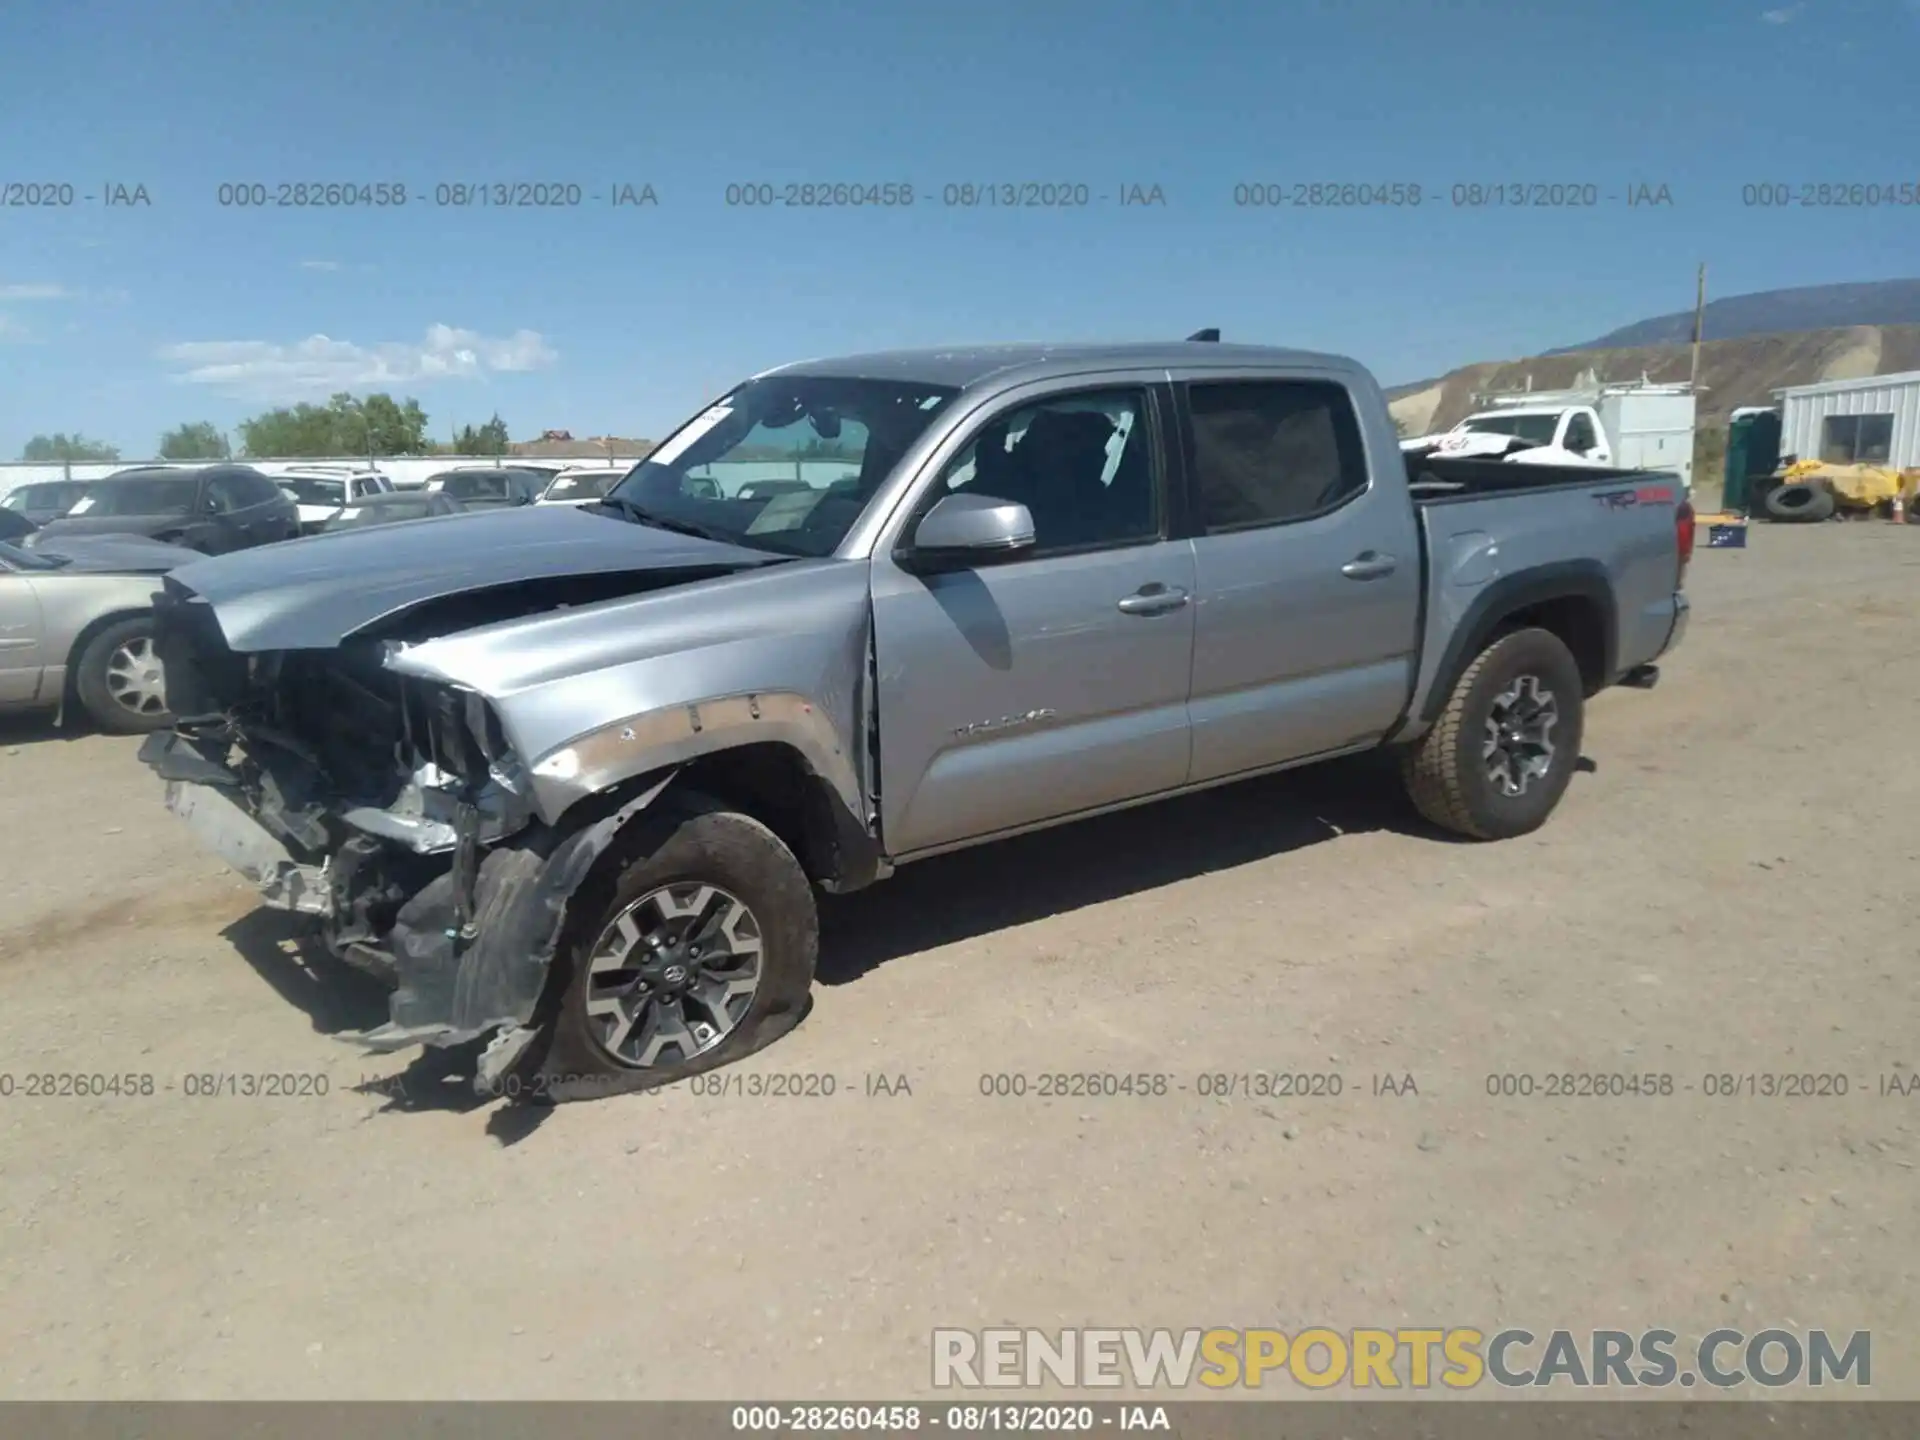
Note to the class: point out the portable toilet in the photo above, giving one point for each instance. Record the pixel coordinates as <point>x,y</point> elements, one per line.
<point>1753,451</point>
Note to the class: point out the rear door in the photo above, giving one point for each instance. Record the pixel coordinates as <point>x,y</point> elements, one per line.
<point>1035,688</point>
<point>1307,569</point>
<point>229,517</point>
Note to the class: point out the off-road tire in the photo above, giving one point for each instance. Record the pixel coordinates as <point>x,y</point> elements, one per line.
<point>1444,771</point>
<point>90,680</point>
<point>682,837</point>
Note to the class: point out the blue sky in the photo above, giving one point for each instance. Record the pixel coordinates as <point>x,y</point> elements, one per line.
<point>119,322</point>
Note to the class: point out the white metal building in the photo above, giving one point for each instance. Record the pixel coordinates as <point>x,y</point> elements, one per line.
<point>1875,421</point>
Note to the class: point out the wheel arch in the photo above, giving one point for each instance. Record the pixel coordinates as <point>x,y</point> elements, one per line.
<point>1573,600</point>
<point>87,634</point>
<point>773,781</point>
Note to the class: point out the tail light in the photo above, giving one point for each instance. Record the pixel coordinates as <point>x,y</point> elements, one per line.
<point>1683,519</point>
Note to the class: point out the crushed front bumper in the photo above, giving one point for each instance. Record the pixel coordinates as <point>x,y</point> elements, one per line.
<point>468,953</point>
<point>222,825</point>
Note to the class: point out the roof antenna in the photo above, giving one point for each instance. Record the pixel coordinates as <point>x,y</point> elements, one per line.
<point>1211,335</point>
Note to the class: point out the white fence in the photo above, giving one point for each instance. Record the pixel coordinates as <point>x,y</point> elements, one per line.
<point>401,469</point>
<point>411,470</point>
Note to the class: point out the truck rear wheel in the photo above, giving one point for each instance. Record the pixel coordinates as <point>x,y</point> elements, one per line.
<point>1500,756</point>
<point>699,950</point>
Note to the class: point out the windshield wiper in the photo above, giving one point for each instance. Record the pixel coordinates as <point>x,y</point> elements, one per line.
<point>662,522</point>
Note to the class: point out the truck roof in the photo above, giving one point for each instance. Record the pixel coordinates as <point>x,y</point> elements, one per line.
<point>964,365</point>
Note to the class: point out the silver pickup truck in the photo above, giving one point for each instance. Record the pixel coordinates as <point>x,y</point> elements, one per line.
<point>568,778</point>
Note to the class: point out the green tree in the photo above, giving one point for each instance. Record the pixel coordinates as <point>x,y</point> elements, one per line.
<point>399,428</point>
<point>343,426</point>
<point>489,439</point>
<point>200,440</point>
<point>61,446</point>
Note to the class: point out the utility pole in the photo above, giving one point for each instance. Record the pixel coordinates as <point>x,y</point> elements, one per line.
<point>1699,318</point>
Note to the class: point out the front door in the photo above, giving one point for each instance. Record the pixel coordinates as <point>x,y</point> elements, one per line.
<point>1056,682</point>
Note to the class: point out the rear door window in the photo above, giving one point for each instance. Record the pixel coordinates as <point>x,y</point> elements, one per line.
<point>1266,452</point>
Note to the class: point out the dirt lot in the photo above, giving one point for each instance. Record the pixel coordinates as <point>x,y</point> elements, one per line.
<point>1728,890</point>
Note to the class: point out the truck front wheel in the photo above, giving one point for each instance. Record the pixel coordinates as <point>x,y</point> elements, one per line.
<point>1498,759</point>
<point>699,950</point>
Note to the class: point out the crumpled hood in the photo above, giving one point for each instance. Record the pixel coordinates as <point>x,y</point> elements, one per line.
<point>311,594</point>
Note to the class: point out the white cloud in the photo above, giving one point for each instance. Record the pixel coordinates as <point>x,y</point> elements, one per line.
<point>320,365</point>
<point>1784,15</point>
<point>320,265</point>
<point>36,292</point>
<point>11,330</point>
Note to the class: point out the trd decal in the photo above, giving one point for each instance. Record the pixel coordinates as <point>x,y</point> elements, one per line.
<point>1643,495</point>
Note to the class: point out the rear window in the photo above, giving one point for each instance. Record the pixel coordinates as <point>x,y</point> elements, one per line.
<point>1267,452</point>
<point>482,485</point>
<point>139,497</point>
<point>308,491</point>
<point>44,496</point>
<point>1537,428</point>
<point>409,509</point>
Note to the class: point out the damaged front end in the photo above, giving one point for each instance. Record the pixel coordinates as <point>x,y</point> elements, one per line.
<point>389,808</point>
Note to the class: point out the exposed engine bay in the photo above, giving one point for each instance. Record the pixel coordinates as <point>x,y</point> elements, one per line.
<point>388,807</point>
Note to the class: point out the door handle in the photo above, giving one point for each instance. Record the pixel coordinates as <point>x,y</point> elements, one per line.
<point>1154,599</point>
<point>1369,565</point>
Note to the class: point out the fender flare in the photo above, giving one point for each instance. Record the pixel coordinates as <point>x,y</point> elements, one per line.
<point>1510,594</point>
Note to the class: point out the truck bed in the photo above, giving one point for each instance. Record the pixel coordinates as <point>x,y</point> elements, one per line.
<point>1492,534</point>
<point>1432,477</point>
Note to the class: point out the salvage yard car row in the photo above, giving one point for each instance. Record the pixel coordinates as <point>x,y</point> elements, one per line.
<point>80,560</point>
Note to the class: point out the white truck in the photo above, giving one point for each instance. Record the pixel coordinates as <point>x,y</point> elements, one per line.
<point>1639,426</point>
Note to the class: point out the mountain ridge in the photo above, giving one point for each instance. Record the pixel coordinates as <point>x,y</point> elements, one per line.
<point>1733,372</point>
<point>1773,312</point>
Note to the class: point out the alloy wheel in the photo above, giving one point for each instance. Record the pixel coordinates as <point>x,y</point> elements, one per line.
<point>672,974</point>
<point>1518,744</point>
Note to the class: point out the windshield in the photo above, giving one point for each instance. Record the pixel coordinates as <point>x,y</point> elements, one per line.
<point>56,495</point>
<point>308,491</point>
<point>1537,428</point>
<point>139,497</point>
<point>785,463</point>
<point>589,485</point>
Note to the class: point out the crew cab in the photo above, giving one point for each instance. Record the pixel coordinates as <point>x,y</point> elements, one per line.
<point>569,778</point>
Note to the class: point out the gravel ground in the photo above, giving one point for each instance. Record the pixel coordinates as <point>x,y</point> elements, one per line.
<point>1727,890</point>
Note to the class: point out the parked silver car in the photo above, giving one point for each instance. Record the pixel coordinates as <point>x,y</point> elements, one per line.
<point>76,627</point>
